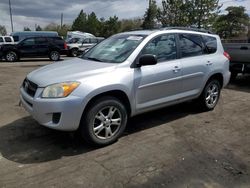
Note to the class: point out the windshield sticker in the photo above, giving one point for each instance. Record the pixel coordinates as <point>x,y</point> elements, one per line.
<point>134,38</point>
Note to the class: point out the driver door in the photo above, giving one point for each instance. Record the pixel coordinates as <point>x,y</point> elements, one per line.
<point>28,48</point>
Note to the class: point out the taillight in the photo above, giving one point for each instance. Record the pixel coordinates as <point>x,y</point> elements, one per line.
<point>65,46</point>
<point>227,55</point>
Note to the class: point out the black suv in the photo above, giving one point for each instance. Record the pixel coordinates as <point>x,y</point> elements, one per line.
<point>51,47</point>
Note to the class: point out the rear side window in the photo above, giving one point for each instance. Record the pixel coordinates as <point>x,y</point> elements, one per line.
<point>56,40</point>
<point>28,42</point>
<point>8,39</point>
<point>210,44</point>
<point>1,39</point>
<point>190,45</point>
<point>93,41</point>
<point>41,41</point>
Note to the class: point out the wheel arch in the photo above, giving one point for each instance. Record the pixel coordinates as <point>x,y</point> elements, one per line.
<point>119,94</point>
<point>217,76</point>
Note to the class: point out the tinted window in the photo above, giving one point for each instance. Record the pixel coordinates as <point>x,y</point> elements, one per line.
<point>8,39</point>
<point>28,42</point>
<point>41,41</point>
<point>93,40</point>
<point>190,45</point>
<point>86,41</point>
<point>210,44</point>
<point>164,47</point>
<point>57,40</point>
<point>1,39</point>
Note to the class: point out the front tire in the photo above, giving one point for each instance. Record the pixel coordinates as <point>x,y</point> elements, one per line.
<point>210,95</point>
<point>104,121</point>
<point>11,56</point>
<point>54,56</point>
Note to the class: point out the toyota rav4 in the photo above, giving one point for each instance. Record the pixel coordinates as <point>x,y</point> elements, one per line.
<point>127,74</point>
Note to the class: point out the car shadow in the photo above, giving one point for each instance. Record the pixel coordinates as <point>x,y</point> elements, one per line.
<point>25,141</point>
<point>241,83</point>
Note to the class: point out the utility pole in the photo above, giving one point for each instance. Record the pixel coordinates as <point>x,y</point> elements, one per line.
<point>61,20</point>
<point>11,21</point>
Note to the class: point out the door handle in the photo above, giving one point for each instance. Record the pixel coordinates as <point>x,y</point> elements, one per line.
<point>176,69</point>
<point>209,63</point>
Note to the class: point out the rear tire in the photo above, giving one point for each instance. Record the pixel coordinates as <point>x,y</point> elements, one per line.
<point>104,121</point>
<point>74,52</point>
<point>54,56</point>
<point>11,56</point>
<point>210,95</point>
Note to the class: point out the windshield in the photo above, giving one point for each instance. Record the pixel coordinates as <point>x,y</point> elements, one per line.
<point>115,49</point>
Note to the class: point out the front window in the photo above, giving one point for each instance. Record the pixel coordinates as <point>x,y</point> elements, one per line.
<point>163,47</point>
<point>115,49</point>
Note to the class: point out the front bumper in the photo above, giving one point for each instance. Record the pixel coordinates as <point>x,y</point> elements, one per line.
<point>60,114</point>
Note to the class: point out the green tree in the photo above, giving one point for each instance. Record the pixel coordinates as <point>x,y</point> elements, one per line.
<point>174,13</point>
<point>110,26</point>
<point>130,24</point>
<point>233,23</point>
<point>26,29</point>
<point>202,13</point>
<point>150,17</point>
<point>93,24</point>
<point>3,30</point>
<point>62,31</point>
<point>38,28</point>
<point>80,22</point>
<point>198,13</point>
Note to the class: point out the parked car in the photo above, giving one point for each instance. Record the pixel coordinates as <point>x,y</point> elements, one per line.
<point>240,58</point>
<point>6,40</point>
<point>51,47</point>
<point>76,46</point>
<point>125,75</point>
<point>18,36</point>
<point>78,34</point>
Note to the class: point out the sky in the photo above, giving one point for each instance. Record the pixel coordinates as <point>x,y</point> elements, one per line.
<point>28,13</point>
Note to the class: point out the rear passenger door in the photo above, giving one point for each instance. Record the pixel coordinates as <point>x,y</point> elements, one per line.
<point>161,83</point>
<point>193,63</point>
<point>42,46</point>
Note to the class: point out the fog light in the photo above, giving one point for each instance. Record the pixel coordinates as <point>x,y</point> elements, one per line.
<point>56,118</point>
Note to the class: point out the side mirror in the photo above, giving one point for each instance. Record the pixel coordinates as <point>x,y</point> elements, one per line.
<point>147,59</point>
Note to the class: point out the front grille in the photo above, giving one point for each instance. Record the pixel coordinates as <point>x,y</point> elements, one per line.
<point>29,87</point>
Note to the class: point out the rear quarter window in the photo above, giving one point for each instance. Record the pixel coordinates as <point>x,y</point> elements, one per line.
<point>7,39</point>
<point>210,44</point>
<point>1,39</point>
<point>57,40</point>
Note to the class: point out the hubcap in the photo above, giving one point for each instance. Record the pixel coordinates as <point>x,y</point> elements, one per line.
<point>11,56</point>
<point>212,95</point>
<point>107,122</point>
<point>54,56</point>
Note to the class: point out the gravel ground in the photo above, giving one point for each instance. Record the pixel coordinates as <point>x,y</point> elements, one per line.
<point>172,147</point>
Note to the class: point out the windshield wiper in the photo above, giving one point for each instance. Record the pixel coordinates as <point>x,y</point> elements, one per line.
<point>94,59</point>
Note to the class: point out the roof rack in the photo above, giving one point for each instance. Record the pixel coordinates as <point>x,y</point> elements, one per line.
<point>188,29</point>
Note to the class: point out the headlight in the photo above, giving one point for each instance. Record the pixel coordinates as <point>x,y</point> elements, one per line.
<point>60,90</point>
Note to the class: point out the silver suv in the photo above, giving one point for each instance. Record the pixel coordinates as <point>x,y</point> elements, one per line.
<point>125,75</point>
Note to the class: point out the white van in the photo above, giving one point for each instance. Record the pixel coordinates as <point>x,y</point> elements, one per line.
<point>6,40</point>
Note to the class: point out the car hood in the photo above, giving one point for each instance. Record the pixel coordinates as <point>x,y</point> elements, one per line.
<point>71,70</point>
